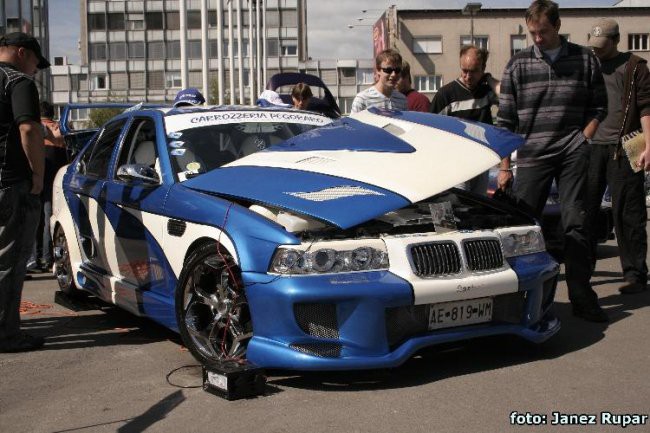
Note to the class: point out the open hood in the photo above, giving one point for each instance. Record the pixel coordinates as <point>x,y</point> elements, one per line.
<point>363,166</point>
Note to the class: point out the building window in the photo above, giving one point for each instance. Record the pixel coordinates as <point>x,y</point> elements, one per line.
<point>289,48</point>
<point>136,50</point>
<point>116,21</point>
<point>135,22</point>
<point>428,83</point>
<point>272,48</point>
<point>479,41</point>
<point>99,82</point>
<point>194,50</point>
<point>345,104</point>
<point>98,51</point>
<point>173,49</point>
<point>272,18</point>
<point>119,81</point>
<point>289,18</point>
<point>428,45</point>
<point>172,21</point>
<point>637,42</point>
<point>194,19</point>
<point>154,20</point>
<point>212,18</point>
<point>365,76</point>
<point>156,50</point>
<point>173,80</point>
<point>96,22</point>
<point>155,80</point>
<point>136,80</point>
<point>117,50</point>
<point>517,43</point>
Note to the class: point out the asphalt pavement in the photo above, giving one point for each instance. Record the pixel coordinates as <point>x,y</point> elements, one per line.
<point>105,370</point>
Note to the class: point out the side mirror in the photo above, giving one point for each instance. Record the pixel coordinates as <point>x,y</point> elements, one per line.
<point>138,173</point>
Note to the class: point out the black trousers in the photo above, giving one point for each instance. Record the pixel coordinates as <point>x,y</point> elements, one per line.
<point>628,208</point>
<point>532,186</point>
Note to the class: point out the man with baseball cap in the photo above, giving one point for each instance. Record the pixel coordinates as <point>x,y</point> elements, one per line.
<point>628,89</point>
<point>22,166</point>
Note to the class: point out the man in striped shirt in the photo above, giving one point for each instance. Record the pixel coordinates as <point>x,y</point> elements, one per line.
<point>384,93</point>
<point>553,94</point>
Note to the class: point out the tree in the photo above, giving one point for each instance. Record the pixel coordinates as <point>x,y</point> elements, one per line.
<point>99,116</point>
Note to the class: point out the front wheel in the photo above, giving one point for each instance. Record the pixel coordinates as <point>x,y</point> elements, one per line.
<point>62,266</point>
<point>211,308</point>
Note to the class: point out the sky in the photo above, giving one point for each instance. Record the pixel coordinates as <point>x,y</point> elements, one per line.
<point>327,23</point>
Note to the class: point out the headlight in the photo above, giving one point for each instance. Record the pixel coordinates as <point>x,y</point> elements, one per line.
<point>521,242</point>
<point>330,257</point>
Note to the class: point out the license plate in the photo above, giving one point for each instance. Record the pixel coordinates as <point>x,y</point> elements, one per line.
<point>459,313</point>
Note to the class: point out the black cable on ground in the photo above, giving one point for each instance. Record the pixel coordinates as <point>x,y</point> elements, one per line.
<point>180,368</point>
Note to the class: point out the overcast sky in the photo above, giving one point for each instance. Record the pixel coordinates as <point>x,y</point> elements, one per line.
<point>327,23</point>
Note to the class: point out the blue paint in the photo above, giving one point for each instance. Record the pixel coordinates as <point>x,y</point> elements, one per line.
<point>253,183</point>
<point>345,134</point>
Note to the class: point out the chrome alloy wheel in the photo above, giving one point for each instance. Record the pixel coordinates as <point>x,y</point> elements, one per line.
<point>62,267</point>
<point>215,313</point>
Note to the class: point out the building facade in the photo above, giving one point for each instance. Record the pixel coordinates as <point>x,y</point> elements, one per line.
<point>31,17</point>
<point>131,50</point>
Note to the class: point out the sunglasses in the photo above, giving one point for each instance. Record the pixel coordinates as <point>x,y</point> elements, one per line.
<point>391,70</point>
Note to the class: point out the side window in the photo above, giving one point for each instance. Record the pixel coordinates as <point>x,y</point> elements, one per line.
<point>140,144</point>
<point>100,157</point>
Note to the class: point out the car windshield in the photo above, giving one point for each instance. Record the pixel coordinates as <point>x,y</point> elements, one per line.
<point>194,151</point>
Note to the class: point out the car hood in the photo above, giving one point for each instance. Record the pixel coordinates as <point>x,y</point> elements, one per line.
<point>363,166</point>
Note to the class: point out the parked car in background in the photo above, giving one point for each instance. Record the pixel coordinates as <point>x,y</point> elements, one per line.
<point>281,237</point>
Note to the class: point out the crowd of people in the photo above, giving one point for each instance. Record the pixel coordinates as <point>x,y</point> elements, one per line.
<point>572,104</point>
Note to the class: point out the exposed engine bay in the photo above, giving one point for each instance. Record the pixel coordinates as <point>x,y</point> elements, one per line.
<point>448,211</point>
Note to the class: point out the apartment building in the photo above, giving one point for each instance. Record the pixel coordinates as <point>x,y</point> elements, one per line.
<point>131,50</point>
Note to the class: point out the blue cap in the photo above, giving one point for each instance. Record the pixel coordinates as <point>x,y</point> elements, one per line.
<point>189,96</point>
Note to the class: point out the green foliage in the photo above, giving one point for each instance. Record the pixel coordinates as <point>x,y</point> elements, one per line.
<point>99,116</point>
<point>213,97</point>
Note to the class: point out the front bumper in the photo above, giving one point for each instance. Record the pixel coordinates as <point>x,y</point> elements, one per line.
<point>369,320</point>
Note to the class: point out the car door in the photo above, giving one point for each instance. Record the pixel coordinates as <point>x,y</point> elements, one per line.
<point>135,196</point>
<point>85,195</point>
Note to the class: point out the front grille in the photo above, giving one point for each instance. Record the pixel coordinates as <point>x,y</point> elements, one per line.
<point>548,294</point>
<point>405,322</point>
<point>317,320</point>
<point>435,258</point>
<point>483,254</point>
<point>323,350</point>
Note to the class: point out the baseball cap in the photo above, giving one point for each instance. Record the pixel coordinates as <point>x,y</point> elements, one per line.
<point>189,96</point>
<point>603,29</point>
<point>19,39</point>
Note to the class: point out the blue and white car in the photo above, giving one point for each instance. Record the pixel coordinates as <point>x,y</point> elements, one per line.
<point>296,242</point>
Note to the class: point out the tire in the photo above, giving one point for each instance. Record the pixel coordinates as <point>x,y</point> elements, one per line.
<point>211,308</point>
<point>62,266</point>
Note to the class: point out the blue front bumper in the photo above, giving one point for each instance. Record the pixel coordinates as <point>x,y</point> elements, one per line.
<point>368,320</point>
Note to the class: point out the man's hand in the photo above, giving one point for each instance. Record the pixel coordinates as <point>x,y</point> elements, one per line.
<point>504,179</point>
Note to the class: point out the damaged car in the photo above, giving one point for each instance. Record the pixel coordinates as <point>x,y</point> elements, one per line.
<point>292,241</point>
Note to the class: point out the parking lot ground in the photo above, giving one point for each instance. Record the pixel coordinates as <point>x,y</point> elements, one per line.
<point>104,370</point>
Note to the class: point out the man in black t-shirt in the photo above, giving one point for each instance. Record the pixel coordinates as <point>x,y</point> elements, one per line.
<point>21,178</point>
<point>470,97</point>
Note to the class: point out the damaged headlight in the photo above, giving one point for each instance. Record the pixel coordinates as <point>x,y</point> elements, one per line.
<point>330,257</point>
<point>518,242</point>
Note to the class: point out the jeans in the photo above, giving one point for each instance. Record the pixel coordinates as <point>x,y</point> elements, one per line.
<point>46,238</point>
<point>532,186</point>
<point>628,208</point>
<point>19,213</point>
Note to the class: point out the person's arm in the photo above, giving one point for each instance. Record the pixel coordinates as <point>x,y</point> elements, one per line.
<point>31,138</point>
<point>358,104</point>
<point>644,158</point>
<point>504,179</point>
<point>590,129</point>
<point>507,119</point>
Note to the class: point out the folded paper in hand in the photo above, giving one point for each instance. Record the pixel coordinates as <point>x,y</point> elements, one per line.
<point>634,145</point>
